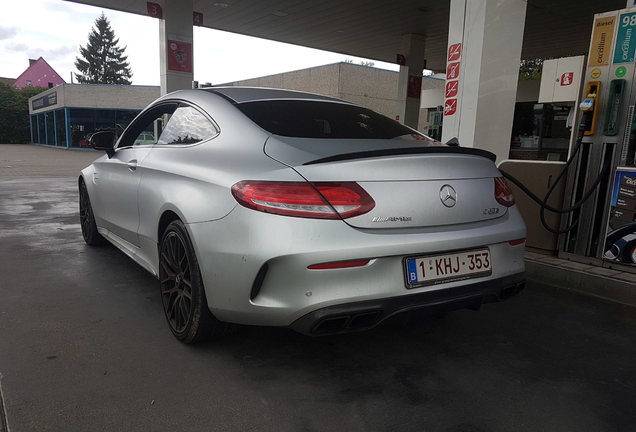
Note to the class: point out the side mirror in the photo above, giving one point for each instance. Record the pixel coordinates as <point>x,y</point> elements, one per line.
<point>104,140</point>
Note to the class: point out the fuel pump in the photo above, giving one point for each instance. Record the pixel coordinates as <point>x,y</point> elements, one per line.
<point>604,226</point>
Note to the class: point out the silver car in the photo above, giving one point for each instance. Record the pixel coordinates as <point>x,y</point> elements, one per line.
<point>279,208</point>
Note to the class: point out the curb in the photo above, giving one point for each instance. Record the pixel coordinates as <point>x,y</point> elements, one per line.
<point>573,279</point>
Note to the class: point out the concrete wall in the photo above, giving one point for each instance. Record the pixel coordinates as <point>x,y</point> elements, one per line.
<point>370,87</point>
<point>321,80</point>
<point>99,96</point>
<point>367,86</point>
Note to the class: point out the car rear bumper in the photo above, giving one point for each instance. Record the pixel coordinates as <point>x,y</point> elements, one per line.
<point>367,314</point>
<point>255,265</point>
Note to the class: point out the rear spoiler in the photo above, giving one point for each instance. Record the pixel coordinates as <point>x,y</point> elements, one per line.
<point>405,151</point>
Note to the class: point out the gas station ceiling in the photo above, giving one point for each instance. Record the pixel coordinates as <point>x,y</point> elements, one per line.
<point>373,28</point>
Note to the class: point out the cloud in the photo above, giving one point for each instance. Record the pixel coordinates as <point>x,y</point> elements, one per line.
<point>53,53</point>
<point>48,54</point>
<point>8,32</point>
<point>17,47</point>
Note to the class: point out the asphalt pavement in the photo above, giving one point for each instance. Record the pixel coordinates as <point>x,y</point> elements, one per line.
<point>84,347</point>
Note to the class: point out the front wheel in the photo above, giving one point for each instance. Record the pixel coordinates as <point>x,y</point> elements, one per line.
<point>87,220</point>
<point>182,293</point>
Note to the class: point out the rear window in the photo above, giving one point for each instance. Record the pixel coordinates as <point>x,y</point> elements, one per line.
<point>314,119</point>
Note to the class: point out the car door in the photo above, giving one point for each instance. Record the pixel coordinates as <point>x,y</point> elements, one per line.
<point>118,177</point>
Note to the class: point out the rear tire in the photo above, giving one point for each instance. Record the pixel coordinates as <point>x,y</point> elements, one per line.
<point>87,220</point>
<point>182,293</point>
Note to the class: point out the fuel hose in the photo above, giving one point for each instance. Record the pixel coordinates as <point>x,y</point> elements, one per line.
<point>544,203</point>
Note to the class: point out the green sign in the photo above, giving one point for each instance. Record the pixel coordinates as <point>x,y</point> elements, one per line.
<point>625,45</point>
<point>621,71</point>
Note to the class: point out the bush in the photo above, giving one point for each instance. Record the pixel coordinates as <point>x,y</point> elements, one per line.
<point>14,113</point>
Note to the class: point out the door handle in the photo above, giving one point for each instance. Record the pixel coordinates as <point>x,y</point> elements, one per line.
<point>132,165</point>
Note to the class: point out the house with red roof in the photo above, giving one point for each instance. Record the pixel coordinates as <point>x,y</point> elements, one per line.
<point>38,74</point>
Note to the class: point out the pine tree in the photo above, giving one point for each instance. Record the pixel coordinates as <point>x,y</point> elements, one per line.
<point>103,61</point>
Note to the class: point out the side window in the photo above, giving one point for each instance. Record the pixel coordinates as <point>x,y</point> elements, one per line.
<point>147,129</point>
<point>151,133</point>
<point>187,126</point>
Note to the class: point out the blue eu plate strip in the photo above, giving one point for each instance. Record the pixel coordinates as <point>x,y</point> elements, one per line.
<point>412,270</point>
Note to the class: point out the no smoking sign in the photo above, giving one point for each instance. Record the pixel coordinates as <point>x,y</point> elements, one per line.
<point>452,72</point>
<point>454,52</point>
<point>451,88</point>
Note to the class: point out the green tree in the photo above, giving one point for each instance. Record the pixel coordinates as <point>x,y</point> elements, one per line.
<point>102,61</point>
<point>531,69</point>
<point>14,113</point>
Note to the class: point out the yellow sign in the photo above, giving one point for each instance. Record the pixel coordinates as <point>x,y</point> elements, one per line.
<point>595,73</point>
<point>602,38</point>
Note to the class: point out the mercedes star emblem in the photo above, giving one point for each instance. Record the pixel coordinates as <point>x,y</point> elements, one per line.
<point>448,195</point>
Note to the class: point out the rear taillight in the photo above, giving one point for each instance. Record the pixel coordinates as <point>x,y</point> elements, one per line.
<point>503,193</point>
<point>302,199</point>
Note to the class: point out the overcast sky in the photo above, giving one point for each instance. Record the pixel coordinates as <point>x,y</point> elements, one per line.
<point>54,29</point>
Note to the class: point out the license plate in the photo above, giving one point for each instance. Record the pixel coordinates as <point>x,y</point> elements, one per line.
<point>436,269</point>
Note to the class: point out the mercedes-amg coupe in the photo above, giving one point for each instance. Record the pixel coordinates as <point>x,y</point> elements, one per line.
<point>279,208</point>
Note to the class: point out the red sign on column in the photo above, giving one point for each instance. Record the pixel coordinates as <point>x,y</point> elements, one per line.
<point>454,52</point>
<point>154,10</point>
<point>452,71</point>
<point>451,88</point>
<point>450,107</point>
<point>567,78</point>
<point>179,56</point>
<point>415,87</point>
<point>197,19</point>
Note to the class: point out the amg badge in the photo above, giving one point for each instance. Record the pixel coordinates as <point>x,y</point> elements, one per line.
<point>391,219</point>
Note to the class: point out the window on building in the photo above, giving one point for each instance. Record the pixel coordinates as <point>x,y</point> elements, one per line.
<point>50,128</point>
<point>82,124</point>
<point>34,129</point>
<point>41,129</point>
<point>60,128</point>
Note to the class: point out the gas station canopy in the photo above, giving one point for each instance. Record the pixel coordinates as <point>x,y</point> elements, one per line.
<point>373,28</point>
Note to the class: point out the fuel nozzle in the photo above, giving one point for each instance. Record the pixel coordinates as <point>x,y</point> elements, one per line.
<point>588,107</point>
<point>588,103</point>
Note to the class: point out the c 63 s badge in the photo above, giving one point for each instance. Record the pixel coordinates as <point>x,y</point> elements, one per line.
<point>491,211</point>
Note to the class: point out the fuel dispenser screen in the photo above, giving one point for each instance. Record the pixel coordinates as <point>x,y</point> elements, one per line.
<point>620,240</point>
<point>624,201</point>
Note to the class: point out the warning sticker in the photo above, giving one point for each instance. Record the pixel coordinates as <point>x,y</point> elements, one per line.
<point>451,88</point>
<point>450,106</point>
<point>602,41</point>
<point>454,52</point>
<point>567,78</point>
<point>452,71</point>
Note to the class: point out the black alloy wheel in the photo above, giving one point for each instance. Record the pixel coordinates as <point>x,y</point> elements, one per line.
<point>87,220</point>
<point>182,293</point>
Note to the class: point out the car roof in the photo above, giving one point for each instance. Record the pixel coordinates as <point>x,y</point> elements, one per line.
<point>251,94</point>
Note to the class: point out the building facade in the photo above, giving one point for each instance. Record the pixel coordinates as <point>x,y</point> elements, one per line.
<point>66,115</point>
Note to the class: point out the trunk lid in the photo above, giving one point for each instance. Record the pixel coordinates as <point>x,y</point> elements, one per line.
<point>413,185</point>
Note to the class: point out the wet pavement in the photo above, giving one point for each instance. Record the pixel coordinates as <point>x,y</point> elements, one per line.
<point>84,347</point>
